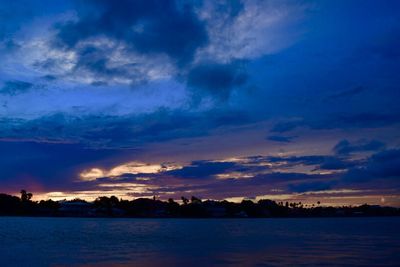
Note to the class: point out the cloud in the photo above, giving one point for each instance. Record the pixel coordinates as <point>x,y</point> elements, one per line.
<point>134,42</point>
<point>306,159</point>
<point>355,120</point>
<point>334,163</point>
<point>123,131</point>
<point>217,79</point>
<point>203,45</point>
<point>249,29</point>
<point>99,60</point>
<point>133,169</point>
<point>344,147</point>
<point>382,165</point>
<point>105,131</point>
<point>281,139</point>
<point>310,186</point>
<point>216,179</point>
<point>320,162</point>
<point>202,169</point>
<point>15,87</point>
<point>268,168</point>
<point>349,120</point>
<point>48,165</point>
<point>283,127</point>
<point>149,27</point>
<point>257,175</point>
<point>131,41</point>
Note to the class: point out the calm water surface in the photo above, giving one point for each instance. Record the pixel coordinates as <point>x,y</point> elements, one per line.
<point>199,242</point>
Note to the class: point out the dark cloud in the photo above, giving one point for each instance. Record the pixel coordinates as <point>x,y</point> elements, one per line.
<point>149,27</point>
<point>334,163</point>
<point>105,131</point>
<point>385,163</point>
<point>202,169</point>
<point>306,160</point>
<point>153,29</point>
<point>382,165</point>
<point>15,87</point>
<point>161,125</point>
<point>121,131</point>
<point>281,139</point>
<point>324,162</point>
<point>49,165</point>
<point>255,167</point>
<point>344,147</point>
<point>49,77</point>
<point>204,180</point>
<point>357,120</point>
<point>340,121</point>
<point>283,127</point>
<point>310,186</point>
<point>217,79</point>
<point>9,46</point>
<point>286,177</point>
<point>95,60</point>
<point>204,183</point>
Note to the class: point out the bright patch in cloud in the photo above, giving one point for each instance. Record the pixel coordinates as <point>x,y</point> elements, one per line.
<point>127,168</point>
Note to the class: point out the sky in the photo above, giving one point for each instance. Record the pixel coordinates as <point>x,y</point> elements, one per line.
<point>241,99</point>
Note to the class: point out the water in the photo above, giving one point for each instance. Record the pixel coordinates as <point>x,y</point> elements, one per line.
<point>199,242</point>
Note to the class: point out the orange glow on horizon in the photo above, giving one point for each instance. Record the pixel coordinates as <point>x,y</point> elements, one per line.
<point>328,198</point>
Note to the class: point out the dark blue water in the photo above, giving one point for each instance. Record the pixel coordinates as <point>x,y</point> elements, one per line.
<point>205,242</point>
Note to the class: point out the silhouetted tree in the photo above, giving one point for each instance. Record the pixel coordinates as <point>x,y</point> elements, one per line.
<point>25,196</point>
<point>106,204</point>
<point>9,205</point>
<point>173,207</point>
<point>195,200</point>
<point>48,207</point>
<point>185,200</point>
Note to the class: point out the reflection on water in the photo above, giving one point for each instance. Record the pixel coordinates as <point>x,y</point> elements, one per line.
<point>208,242</point>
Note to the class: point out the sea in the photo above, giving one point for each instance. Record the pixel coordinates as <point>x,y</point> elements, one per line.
<point>366,241</point>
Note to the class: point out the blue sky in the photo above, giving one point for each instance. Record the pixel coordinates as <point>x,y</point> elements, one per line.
<point>290,100</point>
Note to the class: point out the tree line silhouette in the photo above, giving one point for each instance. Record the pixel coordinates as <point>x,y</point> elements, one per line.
<point>188,208</point>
